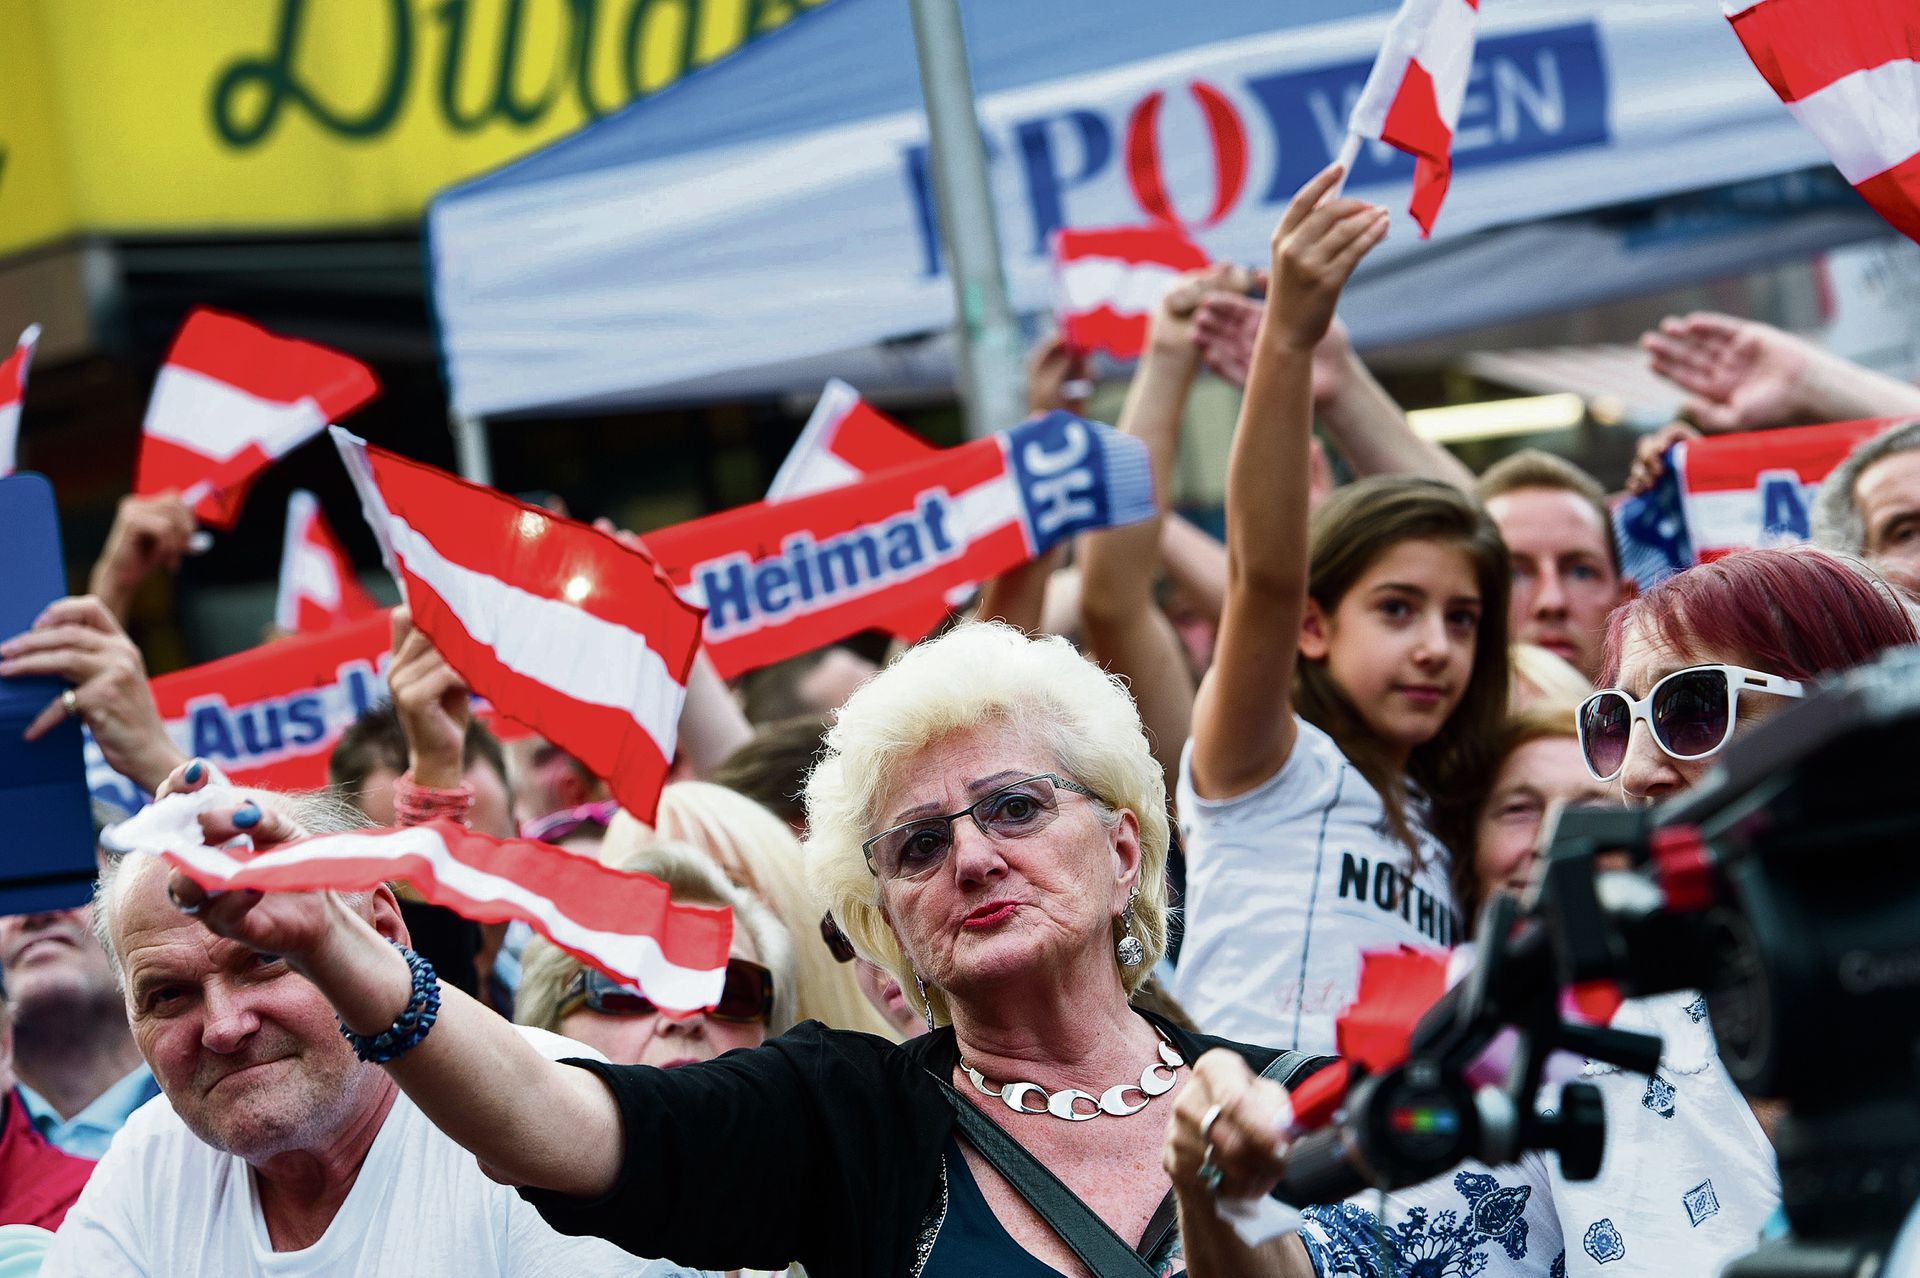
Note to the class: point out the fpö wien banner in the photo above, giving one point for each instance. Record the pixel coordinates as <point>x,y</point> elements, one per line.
<point>808,159</point>
<point>778,579</point>
<point>1725,493</point>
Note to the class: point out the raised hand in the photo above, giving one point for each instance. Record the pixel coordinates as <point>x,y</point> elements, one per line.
<point>1650,454</point>
<point>1738,374</point>
<point>293,924</point>
<point>432,703</point>
<point>1053,370</point>
<point>149,533</point>
<point>80,640</point>
<point>1316,247</point>
<point>1246,1135</point>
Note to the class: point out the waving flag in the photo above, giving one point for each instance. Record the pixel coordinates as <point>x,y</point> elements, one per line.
<point>1412,97</point>
<point>559,626</point>
<point>1731,492</point>
<point>231,399</point>
<point>13,389</point>
<point>318,589</point>
<point>625,924</point>
<point>781,579</point>
<point>844,441</point>
<point>1849,70</point>
<point>1110,281</point>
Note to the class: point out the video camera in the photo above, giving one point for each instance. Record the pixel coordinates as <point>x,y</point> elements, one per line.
<point>1786,887</point>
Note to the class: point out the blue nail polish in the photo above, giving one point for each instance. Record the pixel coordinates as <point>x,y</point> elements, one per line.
<point>248,817</point>
<point>194,772</point>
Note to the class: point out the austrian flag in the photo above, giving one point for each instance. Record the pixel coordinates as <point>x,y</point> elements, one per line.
<point>558,625</point>
<point>1111,280</point>
<point>231,400</point>
<point>1849,70</point>
<point>1412,97</point>
<point>318,588</point>
<point>13,389</point>
<point>625,924</point>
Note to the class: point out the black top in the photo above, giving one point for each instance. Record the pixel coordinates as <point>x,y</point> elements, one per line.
<point>821,1146</point>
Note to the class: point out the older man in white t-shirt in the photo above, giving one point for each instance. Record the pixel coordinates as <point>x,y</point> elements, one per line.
<point>272,1150</point>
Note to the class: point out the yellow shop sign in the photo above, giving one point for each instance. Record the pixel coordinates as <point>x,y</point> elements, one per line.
<point>130,116</point>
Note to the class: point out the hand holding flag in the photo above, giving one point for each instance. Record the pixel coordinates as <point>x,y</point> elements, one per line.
<point>627,925</point>
<point>560,626</point>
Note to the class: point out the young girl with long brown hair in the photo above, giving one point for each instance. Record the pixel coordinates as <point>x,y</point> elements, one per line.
<point>1359,679</point>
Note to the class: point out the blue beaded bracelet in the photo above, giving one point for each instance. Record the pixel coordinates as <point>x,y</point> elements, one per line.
<point>408,1028</point>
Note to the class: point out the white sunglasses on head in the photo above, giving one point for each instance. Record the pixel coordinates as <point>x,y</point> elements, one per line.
<point>1690,713</point>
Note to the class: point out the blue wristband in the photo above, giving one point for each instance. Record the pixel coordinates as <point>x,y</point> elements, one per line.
<point>408,1028</point>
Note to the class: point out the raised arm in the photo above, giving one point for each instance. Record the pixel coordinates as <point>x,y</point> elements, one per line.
<point>1125,629</point>
<point>1360,418</point>
<point>1243,728</point>
<point>1745,375</point>
<point>149,534</point>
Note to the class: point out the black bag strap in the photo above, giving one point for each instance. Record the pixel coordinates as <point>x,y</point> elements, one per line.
<point>1289,1067</point>
<point>1101,1250</point>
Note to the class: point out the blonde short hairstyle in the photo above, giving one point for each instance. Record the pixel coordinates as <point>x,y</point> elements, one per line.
<point>757,850</point>
<point>547,970</point>
<point>1541,675</point>
<point>980,673</point>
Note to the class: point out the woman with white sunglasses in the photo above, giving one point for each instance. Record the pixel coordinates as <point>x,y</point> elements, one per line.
<point>1690,1177</point>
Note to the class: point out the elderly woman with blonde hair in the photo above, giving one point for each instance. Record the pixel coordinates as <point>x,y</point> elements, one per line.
<point>560,994</point>
<point>755,849</point>
<point>987,823</point>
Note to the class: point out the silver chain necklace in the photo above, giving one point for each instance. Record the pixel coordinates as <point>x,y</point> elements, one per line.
<point>1112,1101</point>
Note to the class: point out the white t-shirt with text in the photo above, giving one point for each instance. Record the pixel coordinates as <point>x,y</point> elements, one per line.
<point>1286,885</point>
<point>163,1202</point>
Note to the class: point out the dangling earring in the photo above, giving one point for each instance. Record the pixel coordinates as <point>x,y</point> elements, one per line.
<point>926,1004</point>
<point>1129,951</point>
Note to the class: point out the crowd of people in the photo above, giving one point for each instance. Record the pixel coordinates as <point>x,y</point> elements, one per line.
<point>1035,923</point>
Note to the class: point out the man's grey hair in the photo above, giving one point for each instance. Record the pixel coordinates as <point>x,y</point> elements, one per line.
<point>315,812</point>
<point>1837,523</point>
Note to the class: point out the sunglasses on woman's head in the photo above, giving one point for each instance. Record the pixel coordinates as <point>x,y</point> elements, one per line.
<point>837,942</point>
<point>1691,714</point>
<point>746,997</point>
<point>918,847</point>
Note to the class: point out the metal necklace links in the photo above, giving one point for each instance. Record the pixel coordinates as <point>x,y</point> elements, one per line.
<point>1113,1102</point>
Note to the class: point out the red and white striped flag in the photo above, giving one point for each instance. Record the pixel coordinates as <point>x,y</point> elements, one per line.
<point>13,389</point>
<point>233,398</point>
<point>1412,97</point>
<point>625,924</point>
<point>1849,70</point>
<point>846,440</point>
<point>318,588</point>
<point>560,626</point>
<point>1109,282</point>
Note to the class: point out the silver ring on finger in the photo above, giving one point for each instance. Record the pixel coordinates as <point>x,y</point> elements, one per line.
<point>1207,1121</point>
<point>1210,1174</point>
<point>70,702</point>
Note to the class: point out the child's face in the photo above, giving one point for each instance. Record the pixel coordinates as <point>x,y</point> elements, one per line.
<point>1400,641</point>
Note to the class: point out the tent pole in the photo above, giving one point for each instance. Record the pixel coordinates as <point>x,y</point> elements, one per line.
<point>470,447</point>
<point>991,358</point>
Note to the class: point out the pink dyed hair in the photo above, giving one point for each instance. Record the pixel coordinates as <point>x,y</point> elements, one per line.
<point>1799,613</point>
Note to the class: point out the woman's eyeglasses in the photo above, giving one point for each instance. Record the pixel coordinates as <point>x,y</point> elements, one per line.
<point>917,847</point>
<point>747,996</point>
<point>1691,714</point>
